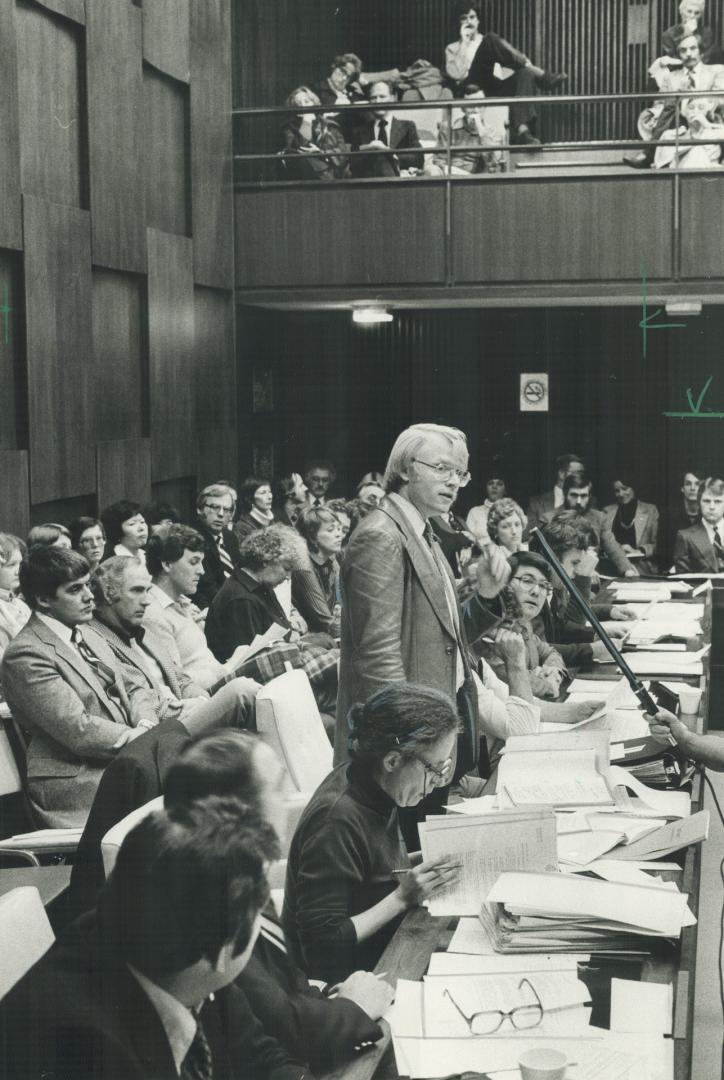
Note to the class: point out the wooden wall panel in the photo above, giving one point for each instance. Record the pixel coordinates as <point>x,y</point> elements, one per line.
<point>215,383</point>
<point>11,230</point>
<point>70,9</point>
<point>52,107</point>
<point>119,353</point>
<point>166,36</point>
<point>59,344</point>
<point>166,153</point>
<point>702,228</point>
<point>171,355</point>
<point>289,237</point>
<point>211,166</point>
<point>14,491</point>
<point>115,100</point>
<point>13,414</point>
<point>562,230</point>
<point>123,471</point>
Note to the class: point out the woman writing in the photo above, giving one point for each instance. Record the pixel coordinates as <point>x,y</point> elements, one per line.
<point>343,899</point>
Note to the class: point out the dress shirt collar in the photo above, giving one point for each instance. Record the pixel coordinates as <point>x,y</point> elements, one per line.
<point>65,633</point>
<point>714,530</point>
<point>160,597</point>
<point>410,511</point>
<point>365,790</point>
<point>7,595</point>
<point>123,635</point>
<point>178,1021</point>
<point>139,556</point>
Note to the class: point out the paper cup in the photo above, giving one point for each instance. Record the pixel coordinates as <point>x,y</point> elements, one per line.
<point>543,1063</point>
<point>689,698</point>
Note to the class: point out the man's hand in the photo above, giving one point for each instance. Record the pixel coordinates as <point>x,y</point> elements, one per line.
<point>371,993</point>
<point>376,144</point>
<point>620,612</point>
<point>574,712</point>
<point>633,572</point>
<point>616,629</point>
<point>510,647</point>
<point>664,724</point>
<point>599,651</point>
<point>492,572</point>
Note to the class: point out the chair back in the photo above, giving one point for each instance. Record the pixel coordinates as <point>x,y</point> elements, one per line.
<point>25,934</point>
<point>287,718</point>
<point>10,780</point>
<point>111,842</point>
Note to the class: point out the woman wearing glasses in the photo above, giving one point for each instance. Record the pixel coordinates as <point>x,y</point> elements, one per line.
<point>345,894</point>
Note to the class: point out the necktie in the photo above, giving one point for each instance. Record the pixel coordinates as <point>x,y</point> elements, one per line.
<point>451,600</point>
<point>226,563</point>
<point>691,80</point>
<point>383,132</point>
<point>103,671</point>
<point>718,545</point>
<point>197,1063</point>
<point>273,933</point>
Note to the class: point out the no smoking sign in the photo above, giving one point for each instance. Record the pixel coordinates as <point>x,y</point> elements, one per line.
<point>534,392</point>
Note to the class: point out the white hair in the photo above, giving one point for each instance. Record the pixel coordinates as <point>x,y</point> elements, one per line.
<point>409,442</point>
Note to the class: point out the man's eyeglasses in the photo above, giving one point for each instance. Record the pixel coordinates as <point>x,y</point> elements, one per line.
<point>438,777</point>
<point>216,509</point>
<point>529,583</point>
<point>522,1017</point>
<point>446,473</point>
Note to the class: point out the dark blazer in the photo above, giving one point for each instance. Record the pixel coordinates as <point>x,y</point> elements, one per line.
<point>80,1014</point>
<point>213,576</point>
<point>675,521</point>
<point>693,551</point>
<point>402,136</point>
<point>74,723</point>
<point>241,609</point>
<point>396,625</point>
<point>646,525</point>
<point>134,777</point>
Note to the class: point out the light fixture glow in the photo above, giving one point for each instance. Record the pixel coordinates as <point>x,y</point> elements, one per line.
<point>370,316</point>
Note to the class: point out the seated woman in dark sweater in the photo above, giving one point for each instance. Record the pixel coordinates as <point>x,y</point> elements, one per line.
<point>314,587</point>
<point>342,901</point>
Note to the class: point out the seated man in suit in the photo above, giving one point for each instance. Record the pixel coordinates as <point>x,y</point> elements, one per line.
<point>691,21</point>
<point>577,491</point>
<point>66,689</point>
<point>121,589</point>
<point>215,507</point>
<point>540,505</point>
<point>701,546</point>
<point>682,514</point>
<point>381,129</point>
<point>142,988</point>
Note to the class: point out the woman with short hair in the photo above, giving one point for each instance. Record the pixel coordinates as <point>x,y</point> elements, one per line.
<point>49,534</point>
<point>345,895</point>
<point>89,538</point>
<point>311,133</point>
<point>315,588</point>
<point>506,525</point>
<point>126,530</point>
<point>255,500</point>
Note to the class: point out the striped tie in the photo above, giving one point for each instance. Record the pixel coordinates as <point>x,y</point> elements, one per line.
<point>718,549</point>
<point>197,1064</point>
<point>273,933</point>
<point>226,563</point>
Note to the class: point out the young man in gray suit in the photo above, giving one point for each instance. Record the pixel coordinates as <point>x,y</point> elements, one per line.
<point>65,688</point>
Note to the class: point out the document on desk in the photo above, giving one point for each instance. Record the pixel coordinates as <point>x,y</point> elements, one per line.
<point>487,845</point>
<point>568,778</point>
<point>656,663</point>
<point>483,804</point>
<point>641,1006</point>
<point>593,687</point>
<point>569,738</point>
<point>668,803</point>
<point>666,839</point>
<point>583,848</point>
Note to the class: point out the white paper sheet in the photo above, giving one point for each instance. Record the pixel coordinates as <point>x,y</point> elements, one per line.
<point>584,848</point>
<point>568,778</point>
<point>653,663</point>
<point>641,1006</point>
<point>672,803</point>
<point>484,804</point>
<point>667,839</point>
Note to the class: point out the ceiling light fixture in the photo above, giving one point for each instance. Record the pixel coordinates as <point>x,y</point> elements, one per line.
<point>370,316</point>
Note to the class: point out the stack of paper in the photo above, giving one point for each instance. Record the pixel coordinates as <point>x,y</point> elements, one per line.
<point>486,845</point>
<point>568,778</point>
<point>688,664</point>
<point>641,591</point>
<point>534,912</point>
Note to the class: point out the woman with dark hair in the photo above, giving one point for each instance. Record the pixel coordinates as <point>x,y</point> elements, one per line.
<point>291,496</point>
<point>49,534</point>
<point>495,488</point>
<point>634,524</point>
<point>344,894</point>
<point>308,133</point>
<point>126,530</point>
<point>255,500</point>
<point>158,514</point>
<point>314,589</point>
<point>89,538</point>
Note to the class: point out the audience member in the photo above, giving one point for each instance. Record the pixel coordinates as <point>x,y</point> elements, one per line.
<point>540,505</point>
<point>341,87</point>
<point>142,987</point>
<point>506,526</point>
<point>700,118</point>
<point>474,146</point>
<point>473,58</point>
<point>634,524</point>
<point>342,902</point>
<point>158,514</point>
<point>701,546</point>
<point>65,688</point>
<point>477,519</point>
<point>291,493</point>
<point>315,587</point>
<point>457,543</point>
<point>309,134</point>
<point>370,491</point>
<point>89,538</point>
<point>215,507</point>
<point>342,510</point>
<point>577,490</point>
<point>691,74</point>
<point>319,476</point>
<point>682,514</point>
<point>121,591</point>
<point>126,530</point>
<point>691,15</point>
<point>381,129</point>
<point>255,501</point>
<point>49,534</point>
<point>14,612</point>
